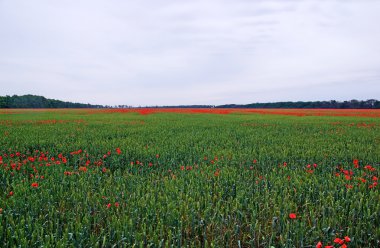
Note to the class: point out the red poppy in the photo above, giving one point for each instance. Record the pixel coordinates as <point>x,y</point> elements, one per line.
<point>362,180</point>
<point>35,185</point>
<point>339,241</point>
<point>347,239</point>
<point>292,216</point>
<point>108,205</point>
<point>116,204</point>
<point>319,245</point>
<point>11,193</point>
<point>118,151</point>
<point>369,167</point>
<point>349,186</point>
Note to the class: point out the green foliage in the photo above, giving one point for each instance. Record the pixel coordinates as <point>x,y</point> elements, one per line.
<point>32,101</point>
<point>352,104</point>
<point>196,180</point>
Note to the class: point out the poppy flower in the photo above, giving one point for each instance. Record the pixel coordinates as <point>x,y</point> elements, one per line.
<point>339,241</point>
<point>347,239</point>
<point>11,193</point>
<point>118,151</point>
<point>362,180</point>
<point>349,186</point>
<point>108,205</point>
<point>35,185</point>
<point>292,216</point>
<point>369,167</point>
<point>116,204</point>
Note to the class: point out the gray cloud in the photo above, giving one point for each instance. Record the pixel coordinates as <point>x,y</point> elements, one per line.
<point>193,52</point>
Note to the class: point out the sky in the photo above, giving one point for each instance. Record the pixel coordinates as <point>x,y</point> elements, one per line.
<point>166,52</point>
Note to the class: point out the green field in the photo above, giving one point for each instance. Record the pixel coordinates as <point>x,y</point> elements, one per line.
<point>71,178</point>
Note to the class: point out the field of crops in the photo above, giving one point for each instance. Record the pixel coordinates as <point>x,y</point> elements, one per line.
<point>196,178</point>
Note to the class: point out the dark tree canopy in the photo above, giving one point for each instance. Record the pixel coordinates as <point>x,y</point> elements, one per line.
<point>353,104</point>
<point>32,101</point>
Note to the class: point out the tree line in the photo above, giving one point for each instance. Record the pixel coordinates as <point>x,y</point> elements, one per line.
<point>32,101</point>
<point>352,104</point>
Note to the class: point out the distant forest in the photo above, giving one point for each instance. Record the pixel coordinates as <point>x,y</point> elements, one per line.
<point>353,104</point>
<point>32,101</point>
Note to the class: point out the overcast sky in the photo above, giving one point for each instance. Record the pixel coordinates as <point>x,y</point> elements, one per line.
<point>166,52</point>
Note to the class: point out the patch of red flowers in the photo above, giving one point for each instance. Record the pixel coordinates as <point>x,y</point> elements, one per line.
<point>339,241</point>
<point>118,151</point>
<point>223,111</point>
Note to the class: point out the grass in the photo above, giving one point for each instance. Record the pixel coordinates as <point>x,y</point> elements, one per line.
<point>175,179</point>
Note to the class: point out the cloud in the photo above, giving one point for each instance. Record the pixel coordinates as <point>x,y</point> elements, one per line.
<point>198,52</point>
